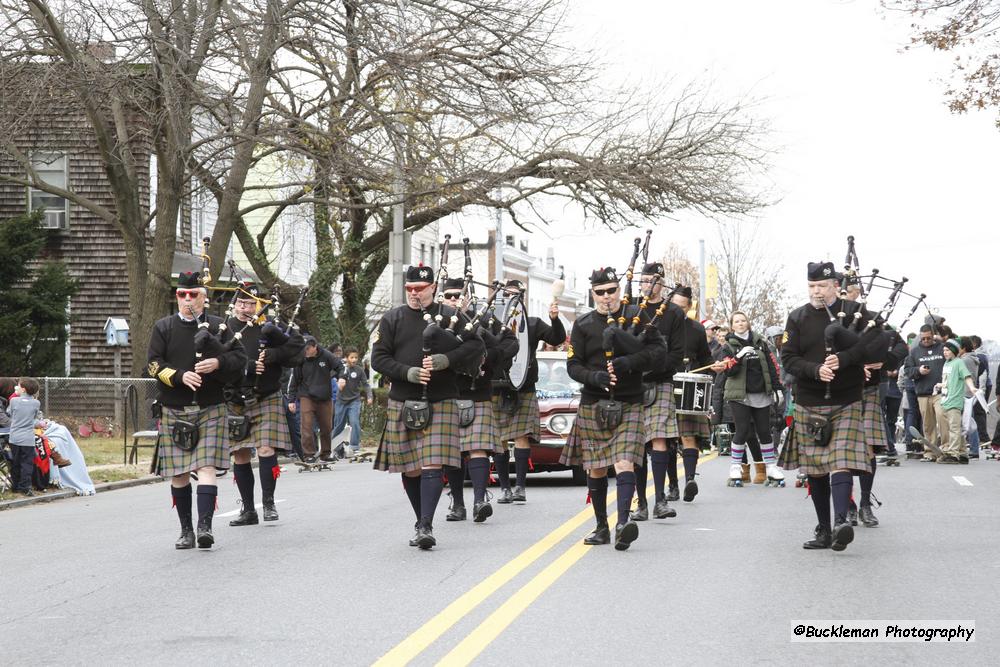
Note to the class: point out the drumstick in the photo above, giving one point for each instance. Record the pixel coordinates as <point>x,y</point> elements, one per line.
<point>703,368</point>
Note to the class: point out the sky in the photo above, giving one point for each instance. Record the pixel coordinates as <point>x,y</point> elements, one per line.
<point>864,142</point>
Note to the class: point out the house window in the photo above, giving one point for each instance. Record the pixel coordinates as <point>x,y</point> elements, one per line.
<point>510,240</point>
<point>51,168</point>
<point>524,246</point>
<point>423,253</point>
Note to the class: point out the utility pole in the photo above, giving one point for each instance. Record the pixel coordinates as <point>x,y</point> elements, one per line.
<point>701,279</point>
<point>398,236</point>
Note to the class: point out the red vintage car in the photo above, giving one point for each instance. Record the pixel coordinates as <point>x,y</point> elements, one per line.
<point>558,398</point>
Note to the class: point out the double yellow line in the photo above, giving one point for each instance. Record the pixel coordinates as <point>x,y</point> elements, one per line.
<point>472,645</point>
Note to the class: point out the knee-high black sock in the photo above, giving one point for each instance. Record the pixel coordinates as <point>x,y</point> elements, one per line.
<point>269,472</point>
<point>819,491</point>
<point>182,503</point>
<point>598,487</point>
<point>867,481</point>
<point>625,483</point>
<point>456,484</point>
<point>412,487</point>
<point>479,471</point>
<point>207,493</point>
<point>841,484</point>
<point>502,462</point>
<point>659,464</point>
<point>243,474</point>
<point>431,486</point>
<point>672,463</point>
<point>690,463</point>
<point>521,465</point>
<point>641,479</point>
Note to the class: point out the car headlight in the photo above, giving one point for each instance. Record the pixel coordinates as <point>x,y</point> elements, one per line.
<point>560,424</point>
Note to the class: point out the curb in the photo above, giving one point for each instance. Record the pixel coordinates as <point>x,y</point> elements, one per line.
<point>67,493</point>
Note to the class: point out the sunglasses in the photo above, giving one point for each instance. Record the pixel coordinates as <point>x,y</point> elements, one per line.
<point>453,295</point>
<point>602,292</point>
<point>188,293</point>
<point>414,289</point>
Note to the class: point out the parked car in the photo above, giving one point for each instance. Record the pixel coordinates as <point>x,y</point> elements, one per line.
<point>558,398</point>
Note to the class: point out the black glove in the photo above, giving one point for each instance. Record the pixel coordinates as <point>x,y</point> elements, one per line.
<point>600,379</point>
<point>622,365</point>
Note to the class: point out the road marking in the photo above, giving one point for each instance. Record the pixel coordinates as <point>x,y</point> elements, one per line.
<point>235,512</point>
<point>708,529</point>
<point>476,642</point>
<point>961,480</point>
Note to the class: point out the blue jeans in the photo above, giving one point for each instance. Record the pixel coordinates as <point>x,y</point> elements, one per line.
<point>912,416</point>
<point>348,413</point>
<point>292,419</point>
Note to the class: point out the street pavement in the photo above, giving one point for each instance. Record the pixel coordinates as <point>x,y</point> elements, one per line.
<point>96,580</point>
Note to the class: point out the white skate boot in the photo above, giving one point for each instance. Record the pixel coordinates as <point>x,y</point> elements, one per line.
<point>735,475</point>
<point>775,476</point>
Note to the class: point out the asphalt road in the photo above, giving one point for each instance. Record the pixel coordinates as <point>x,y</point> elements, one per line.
<point>97,581</point>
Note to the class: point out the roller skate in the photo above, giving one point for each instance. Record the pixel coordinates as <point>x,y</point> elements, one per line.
<point>800,480</point>
<point>736,475</point>
<point>775,476</point>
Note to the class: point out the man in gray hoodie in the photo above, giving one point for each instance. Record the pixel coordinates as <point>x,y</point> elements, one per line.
<point>924,366</point>
<point>23,411</point>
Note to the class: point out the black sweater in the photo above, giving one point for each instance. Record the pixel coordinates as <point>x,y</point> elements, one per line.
<point>171,354</point>
<point>585,358</point>
<point>804,351</point>
<point>275,358</point>
<point>696,350</point>
<point>500,350</point>
<point>671,327</point>
<point>399,347</point>
<point>311,378</point>
<point>552,332</point>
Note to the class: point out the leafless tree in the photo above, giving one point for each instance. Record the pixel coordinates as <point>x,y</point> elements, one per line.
<point>749,277</point>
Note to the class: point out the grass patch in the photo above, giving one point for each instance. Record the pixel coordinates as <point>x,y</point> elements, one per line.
<point>118,473</point>
<point>99,451</point>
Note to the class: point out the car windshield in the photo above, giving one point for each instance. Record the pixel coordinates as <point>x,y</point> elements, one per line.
<point>554,381</point>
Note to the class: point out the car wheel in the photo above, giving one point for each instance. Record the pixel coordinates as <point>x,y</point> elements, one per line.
<point>579,476</point>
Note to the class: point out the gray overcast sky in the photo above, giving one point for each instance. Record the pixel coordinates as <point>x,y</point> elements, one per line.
<point>867,146</point>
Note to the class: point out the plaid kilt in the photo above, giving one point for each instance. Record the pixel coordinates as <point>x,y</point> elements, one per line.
<point>402,450</point>
<point>593,448</point>
<point>659,418</point>
<point>848,449</point>
<point>481,433</point>
<point>694,425</point>
<point>212,448</point>
<point>267,424</point>
<point>874,422</point>
<point>523,422</point>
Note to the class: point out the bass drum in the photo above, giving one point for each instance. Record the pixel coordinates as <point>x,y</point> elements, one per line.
<point>517,320</point>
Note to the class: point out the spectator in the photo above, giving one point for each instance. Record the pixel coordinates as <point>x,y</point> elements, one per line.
<point>986,384</point>
<point>348,405</point>
<point>972,364</point>
<point>6,393</point>
<point>291,413</point>
<point>310,384</point>
<point>911,410</point>
<point>23,411</point>
<point>924,365</point>
<point>338,353</point>
<point>955,375</point>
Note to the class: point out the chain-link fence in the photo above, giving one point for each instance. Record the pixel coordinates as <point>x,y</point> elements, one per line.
<point>98,404</point>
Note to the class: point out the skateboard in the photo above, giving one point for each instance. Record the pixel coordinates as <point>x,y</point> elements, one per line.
<point>363,456</point>
<point>314,466</point>
<point>918,438</point>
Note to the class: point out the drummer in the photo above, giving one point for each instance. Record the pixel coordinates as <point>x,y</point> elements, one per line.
<point>691,427</point>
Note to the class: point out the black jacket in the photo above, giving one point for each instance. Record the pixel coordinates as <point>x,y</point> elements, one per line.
<point>311,378</point>
<point>276,359</point>
<point>671,327</point>
<point>500,350</point>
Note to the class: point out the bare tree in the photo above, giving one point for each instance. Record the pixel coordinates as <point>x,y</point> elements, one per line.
<point>679,269</point>
<point>749,277</point>
<point>968,31</point>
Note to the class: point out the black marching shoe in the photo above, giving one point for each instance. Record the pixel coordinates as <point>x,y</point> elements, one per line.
<point>506,497</point>
<point>822,539</point>
<point>518,495</point>
<point>640,513</point>
<point>246,518</point>
<point>425,537</point>
<point>673,492</point>
<point>416,534</point>
<point>481,511</point>
<point>270,511</point>
<point>843,535</point>
<point>186,540</point>
<point>662,510</point>
<point>205,537</point>
<point>690,490</point>
<point>867,516</point>
<point>600,535</point>
<point>852,514</point>
<point>625,535</point>
<point>457,513</point>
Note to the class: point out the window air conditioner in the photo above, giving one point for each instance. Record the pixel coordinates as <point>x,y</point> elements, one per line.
<point>54,220</point>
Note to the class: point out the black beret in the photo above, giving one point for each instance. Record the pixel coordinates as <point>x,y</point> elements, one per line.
<point>686,292</point>
<point>602,276</point>
<point>654,269</point>
<point>454,283</point>
<point>189,279</point>
<point>420,274</point>
<point>822,271</point>
<point>248,291</point>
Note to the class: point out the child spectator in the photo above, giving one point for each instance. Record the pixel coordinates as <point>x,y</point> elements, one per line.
<point>348,408</point>
<point>23,412</point>
<point>955,378</point>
